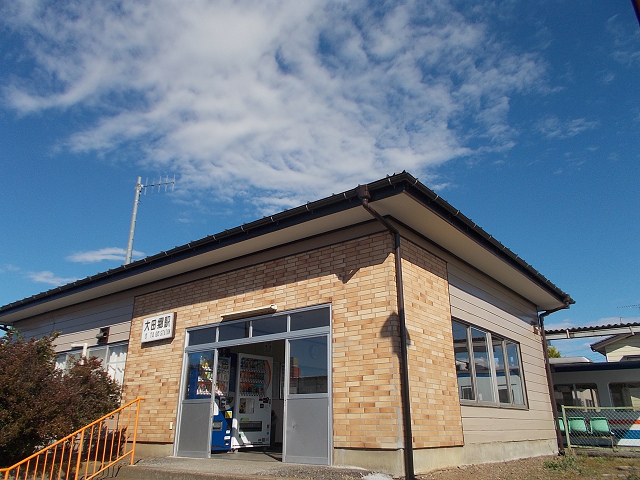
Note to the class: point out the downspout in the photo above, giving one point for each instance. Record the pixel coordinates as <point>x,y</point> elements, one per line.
<point>364,195</point>
<point>547,365</point>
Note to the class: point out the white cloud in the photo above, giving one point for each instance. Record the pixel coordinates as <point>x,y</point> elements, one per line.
<point>9,268</point>
<point>553,127</point>
<point>626,49</point>
<point>49,278</point>
<point>280,102</point>
<point>579,347</point>
<point>557,324</point>
<point>110,254</point>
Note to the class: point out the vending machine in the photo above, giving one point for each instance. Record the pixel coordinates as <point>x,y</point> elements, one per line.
<point>222,424</point>
<point>252,407</point>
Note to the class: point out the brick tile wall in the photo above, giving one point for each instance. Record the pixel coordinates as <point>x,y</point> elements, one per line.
<point>358,278</point>
<point>432,375</point>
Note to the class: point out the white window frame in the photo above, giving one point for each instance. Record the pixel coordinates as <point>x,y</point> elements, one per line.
<point>473,387</point>
<point>65,358</point>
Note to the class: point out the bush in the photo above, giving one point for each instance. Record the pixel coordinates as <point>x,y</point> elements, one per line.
<point>39,404</point>
<point>565,463</point>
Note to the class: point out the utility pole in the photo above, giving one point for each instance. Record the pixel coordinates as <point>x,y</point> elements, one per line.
<point>140,187</point>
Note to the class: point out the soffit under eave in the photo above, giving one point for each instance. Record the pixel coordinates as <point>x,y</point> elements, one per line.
<point>402,207</point>
<point>311,228</point>
<point>412,213</point>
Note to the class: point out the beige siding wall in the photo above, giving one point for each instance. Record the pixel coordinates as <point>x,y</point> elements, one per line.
<point>480,301</point>
<point>81,323</point>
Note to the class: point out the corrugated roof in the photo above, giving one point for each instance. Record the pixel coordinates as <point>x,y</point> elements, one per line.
<point>593,331</point>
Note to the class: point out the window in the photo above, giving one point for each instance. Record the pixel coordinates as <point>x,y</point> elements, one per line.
<point>276,324</point>
<point>309,372</point>
<point>576,395</point>
<point>488,367</point>
<point>233,331</point>
<point>269,326</point>
<point>625,394</point>
<point>113,359</point>
<point>463,362</point>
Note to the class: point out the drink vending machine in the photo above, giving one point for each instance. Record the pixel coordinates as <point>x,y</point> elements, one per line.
<point>242,410</point>
<point>222,425</point>
<point>253,401</point>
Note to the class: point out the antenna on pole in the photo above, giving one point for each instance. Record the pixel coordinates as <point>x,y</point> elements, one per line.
<point>140,187</point>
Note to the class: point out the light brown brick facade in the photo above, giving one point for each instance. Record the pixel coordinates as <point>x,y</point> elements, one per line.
<point>357,277</point>
<point>435,405</point>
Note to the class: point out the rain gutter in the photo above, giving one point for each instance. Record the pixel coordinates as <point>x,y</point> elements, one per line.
<point>365,196</point>
<point>547,366</point>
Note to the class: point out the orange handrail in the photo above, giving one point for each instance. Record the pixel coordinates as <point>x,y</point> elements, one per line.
<point>93,444</point>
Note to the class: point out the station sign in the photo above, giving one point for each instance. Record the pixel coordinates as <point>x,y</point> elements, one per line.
<point>159,327</point>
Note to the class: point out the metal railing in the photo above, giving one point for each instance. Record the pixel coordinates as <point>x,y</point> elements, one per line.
<point>610,427</point>
<point>86,453</point>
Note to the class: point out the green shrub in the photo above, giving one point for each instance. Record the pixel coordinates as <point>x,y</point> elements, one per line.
<point>565,463</point>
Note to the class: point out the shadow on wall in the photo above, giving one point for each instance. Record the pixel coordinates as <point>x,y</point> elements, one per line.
<point>391,329</point>
<point>271,275</point>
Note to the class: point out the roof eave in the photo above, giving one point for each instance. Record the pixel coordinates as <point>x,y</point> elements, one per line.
<point>380,190</point>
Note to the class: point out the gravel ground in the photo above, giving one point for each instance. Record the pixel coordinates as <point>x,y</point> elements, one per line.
<point>569,467</point>
<point>325,473</point>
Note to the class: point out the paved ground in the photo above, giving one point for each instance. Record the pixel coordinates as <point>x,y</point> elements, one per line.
<point>255,465</point>
<point>236,466</point>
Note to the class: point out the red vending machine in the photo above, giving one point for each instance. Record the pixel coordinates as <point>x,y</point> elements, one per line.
<point>252,406</point>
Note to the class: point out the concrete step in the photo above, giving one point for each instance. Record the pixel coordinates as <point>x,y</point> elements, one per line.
<point>232,467</point>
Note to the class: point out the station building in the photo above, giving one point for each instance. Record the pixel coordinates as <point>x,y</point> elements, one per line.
<point>398,334</point>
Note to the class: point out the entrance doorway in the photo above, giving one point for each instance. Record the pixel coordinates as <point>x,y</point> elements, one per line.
<point>265,390</point>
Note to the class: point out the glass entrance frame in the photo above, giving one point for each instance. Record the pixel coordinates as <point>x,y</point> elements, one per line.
<point>297,326</point>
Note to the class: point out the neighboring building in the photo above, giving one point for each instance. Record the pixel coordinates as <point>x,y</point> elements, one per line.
<point>317,291</point>
<point>620,348</point>
<point>614,383</point>
<point>596,384</point>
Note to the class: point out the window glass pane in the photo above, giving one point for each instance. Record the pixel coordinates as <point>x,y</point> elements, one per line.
<point>202,336</point>
<point>463,362</point>
<point>100,353</point>
<point>625,394</point>
<point>481,362</point>
<point>515,373</point>
<point>116,361</point>
<point>501,373</point>
<point>586,395</point>
<point>564,396</point>
<point>233,331</point>
<point>200,375</point>
<point>308,366</point>
<point>61,361</point>
<point>72,358</point>
<point>268,326</point>
<point>318,317</point>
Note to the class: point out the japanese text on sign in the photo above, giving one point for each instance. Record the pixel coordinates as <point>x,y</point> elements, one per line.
<point>157,328</point>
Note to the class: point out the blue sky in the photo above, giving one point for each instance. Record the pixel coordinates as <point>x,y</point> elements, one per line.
<point>523,115</point>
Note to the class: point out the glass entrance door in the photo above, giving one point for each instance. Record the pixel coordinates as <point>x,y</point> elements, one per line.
<point>307,402</point>
<point>194,431</point>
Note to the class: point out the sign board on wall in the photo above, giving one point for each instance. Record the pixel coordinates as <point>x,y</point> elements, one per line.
<point>158,327</point>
